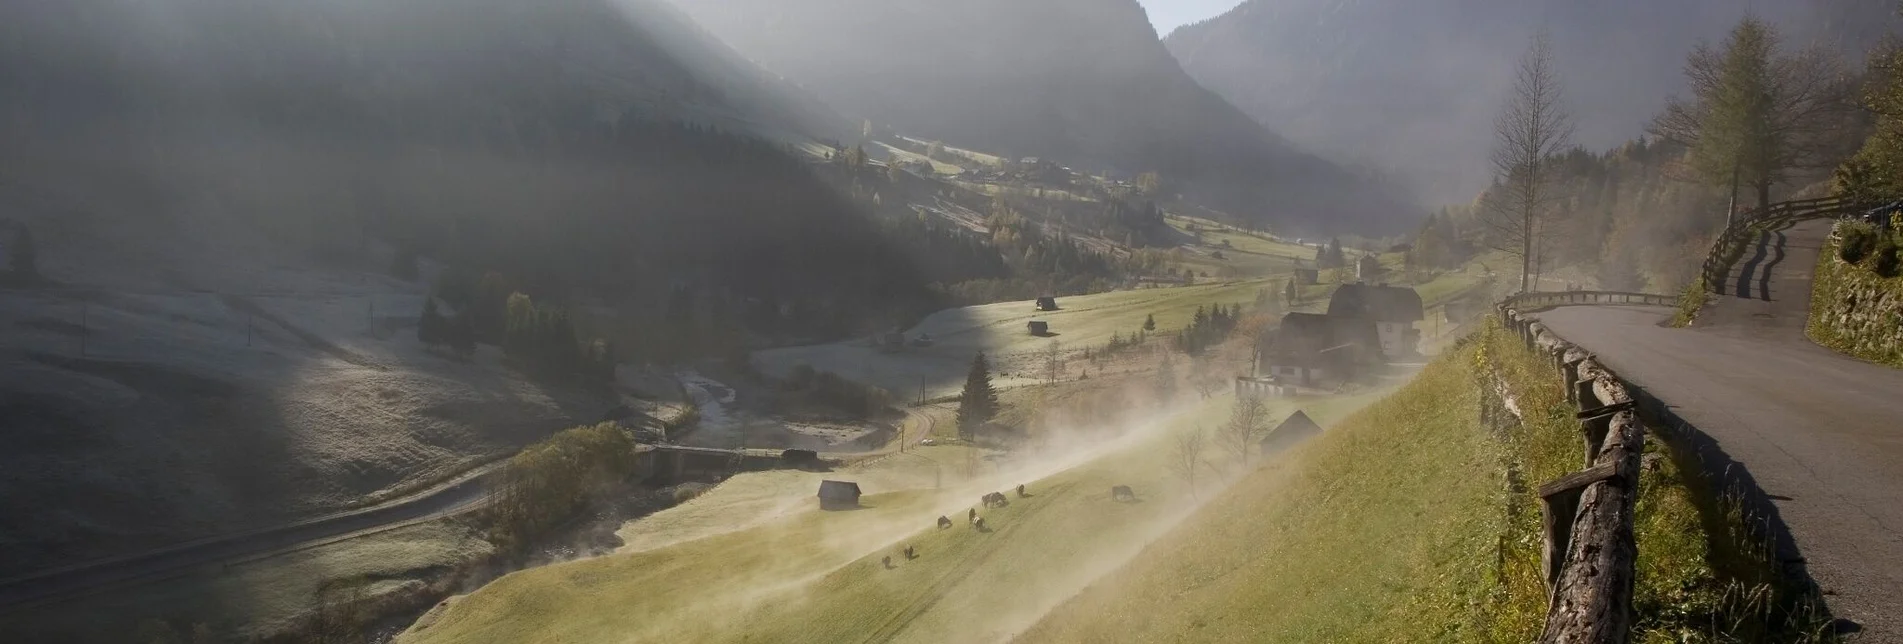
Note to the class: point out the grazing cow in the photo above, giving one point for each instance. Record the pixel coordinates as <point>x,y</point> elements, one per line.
<point>1021,493</point>
<point>979,524</point>
<point>995,500</point>
<point>1122,493</point>
<point>910,553</point>
<point>972,515</point>
<point>886,561</point>
<point>944,523</point>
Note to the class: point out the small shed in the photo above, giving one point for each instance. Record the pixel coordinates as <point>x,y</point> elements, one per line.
<point>838,495</point>
<point>1047,303</point>
<point>1307,276</point>
<point>1038,327</point>
<point>1368,267</point>
<point>1296,428</point>
<point>802,459</point>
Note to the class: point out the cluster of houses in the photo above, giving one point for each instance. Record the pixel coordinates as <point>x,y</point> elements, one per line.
<point>1366,326</point>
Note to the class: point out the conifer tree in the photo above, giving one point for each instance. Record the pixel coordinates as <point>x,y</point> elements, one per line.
<point>979,403</point>
<point>1149,322</point>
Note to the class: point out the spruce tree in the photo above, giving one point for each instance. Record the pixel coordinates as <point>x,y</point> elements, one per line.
<point>979,403</point>
<point>1165,380</point>
<point>1149,322</point>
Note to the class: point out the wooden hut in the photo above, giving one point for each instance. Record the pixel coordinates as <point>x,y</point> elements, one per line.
<point>1038,327</point>
<point>838,495</point>
<point>1297,428</point>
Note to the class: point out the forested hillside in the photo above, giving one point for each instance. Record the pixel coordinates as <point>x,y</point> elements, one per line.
<point>1086,83</point>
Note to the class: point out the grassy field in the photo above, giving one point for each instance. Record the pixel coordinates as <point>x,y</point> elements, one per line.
<point>253,599</point>
<point>1398,525</point>
<point>999,331</point>
<point>795,574</point>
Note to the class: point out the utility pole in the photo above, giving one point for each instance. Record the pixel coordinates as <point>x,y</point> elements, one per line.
<point>85,329</point>
<point>249,324</point>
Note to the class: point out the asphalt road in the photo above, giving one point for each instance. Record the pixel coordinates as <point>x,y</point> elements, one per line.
<point>1820,433</point>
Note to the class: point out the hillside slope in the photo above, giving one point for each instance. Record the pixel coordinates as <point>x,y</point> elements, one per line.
<point>1086,83</point>
<point>218,189</point>
<point>1412,88</point>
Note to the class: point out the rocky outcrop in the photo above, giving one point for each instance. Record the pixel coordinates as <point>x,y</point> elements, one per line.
<point>1855,311</point>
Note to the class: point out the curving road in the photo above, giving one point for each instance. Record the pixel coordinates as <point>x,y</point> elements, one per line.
<point>1820,433</point>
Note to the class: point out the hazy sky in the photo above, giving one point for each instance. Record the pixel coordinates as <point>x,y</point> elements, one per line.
<point>1170,14</point>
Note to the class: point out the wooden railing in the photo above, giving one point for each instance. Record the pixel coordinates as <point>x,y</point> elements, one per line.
<point>1747,226</point>
<point>1549,299</point>
<point>1589,555</point>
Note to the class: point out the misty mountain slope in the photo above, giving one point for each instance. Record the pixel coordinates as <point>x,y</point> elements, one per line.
<point>1411,88</point>
<point>216,189</point>
<point>1086,83</point>
<point>471,63</point>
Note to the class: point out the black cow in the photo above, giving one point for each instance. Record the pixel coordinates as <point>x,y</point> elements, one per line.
<point>944,522</point>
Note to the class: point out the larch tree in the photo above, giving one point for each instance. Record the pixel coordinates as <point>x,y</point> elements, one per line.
<point>979,402</point>
<point>1756,114</point>
<point>1530,130</point>
<point>1187,457</point>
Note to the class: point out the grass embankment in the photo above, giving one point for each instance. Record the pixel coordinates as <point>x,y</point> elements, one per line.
<point>1854,308</point>
<point>796,574</point>
<point>1399,525</point>
<point>1690,302</point>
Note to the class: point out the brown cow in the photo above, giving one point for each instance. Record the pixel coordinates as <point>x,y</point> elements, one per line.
<point>944,522</point>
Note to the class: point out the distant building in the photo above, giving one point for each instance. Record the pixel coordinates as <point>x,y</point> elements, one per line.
<point>1368,268</point>
<point>1312,350</point>
<point>838,495</point>
<point>1297,428</point>
<point>1393,310</point>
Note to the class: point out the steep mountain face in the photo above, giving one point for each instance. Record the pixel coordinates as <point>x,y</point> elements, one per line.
<point>1086,83</point>
<point>1412,87</point>
<point>478,64</point>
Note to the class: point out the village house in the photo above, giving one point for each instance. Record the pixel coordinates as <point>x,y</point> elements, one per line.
<point>1392,310</point>
<point>1318,351</point>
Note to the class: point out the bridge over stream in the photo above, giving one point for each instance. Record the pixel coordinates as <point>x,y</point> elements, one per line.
<point>1814,437</point>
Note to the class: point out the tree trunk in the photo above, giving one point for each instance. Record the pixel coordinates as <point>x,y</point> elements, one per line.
<point>1764,196</point>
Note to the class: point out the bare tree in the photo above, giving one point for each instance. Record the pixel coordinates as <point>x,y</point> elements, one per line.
<point>1248,421</point>
<point>1188,456</point>
<point>1755,114</point>
<point>1202,376</point>
<point>1528,133</point>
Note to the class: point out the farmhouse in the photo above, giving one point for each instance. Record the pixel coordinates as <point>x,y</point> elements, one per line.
<point>838,495</point>
<point>1312,350</point>
<point>1296,428</point>
<point>1392,310</point>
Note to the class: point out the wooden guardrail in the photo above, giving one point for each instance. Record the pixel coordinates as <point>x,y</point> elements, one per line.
<point>1589,554</point>
<point>1549,299</point>
<point>1747,225</point>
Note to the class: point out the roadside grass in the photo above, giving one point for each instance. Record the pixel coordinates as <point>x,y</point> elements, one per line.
<point>1703,576</point>
<point>812,576</point>
<point>1690,303</point>
<point>257,599</point>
